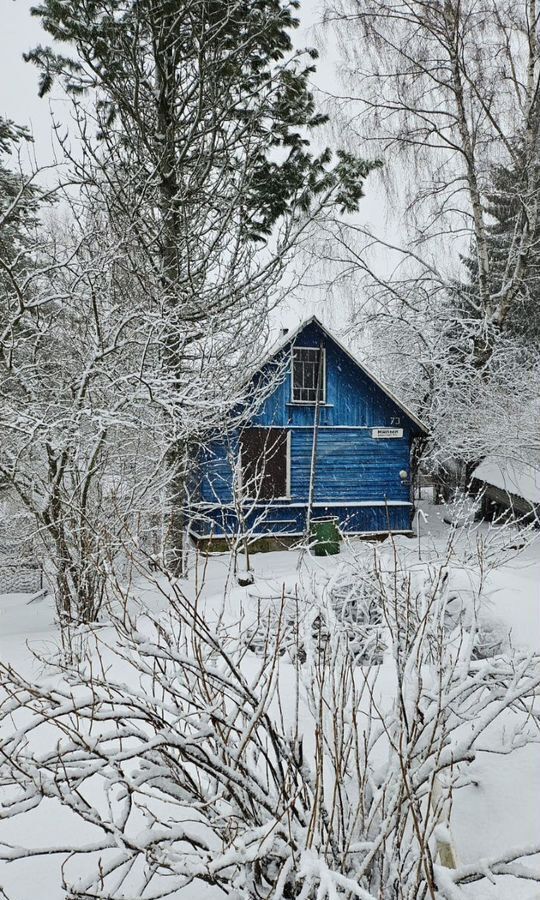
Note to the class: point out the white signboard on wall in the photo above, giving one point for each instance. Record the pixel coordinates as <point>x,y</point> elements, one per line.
<point>387,432</point>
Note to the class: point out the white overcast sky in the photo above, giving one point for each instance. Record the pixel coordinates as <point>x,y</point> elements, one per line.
<point>20,32</point>
<point>19,99</point>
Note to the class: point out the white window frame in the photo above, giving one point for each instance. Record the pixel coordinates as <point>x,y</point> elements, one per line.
<point>288,471</point>
<point>309,402</point>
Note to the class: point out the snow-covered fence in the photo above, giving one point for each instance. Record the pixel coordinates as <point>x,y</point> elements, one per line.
<point>20,570</point>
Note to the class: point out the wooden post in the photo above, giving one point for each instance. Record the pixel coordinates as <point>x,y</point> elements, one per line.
<point>446,852</point>
<point>445,848</point>
<point>316,419</point>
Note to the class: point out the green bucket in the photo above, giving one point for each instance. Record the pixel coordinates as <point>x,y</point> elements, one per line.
<point>325,536</point>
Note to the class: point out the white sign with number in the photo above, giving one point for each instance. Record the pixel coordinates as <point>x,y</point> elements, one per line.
<point>387,432</point>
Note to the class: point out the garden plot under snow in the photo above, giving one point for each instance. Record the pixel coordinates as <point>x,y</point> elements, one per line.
<point>302,736</point>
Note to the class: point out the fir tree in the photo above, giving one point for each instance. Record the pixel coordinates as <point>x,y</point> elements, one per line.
<point>506,209</point>
<point>20,202</point>
<point>18,197</point>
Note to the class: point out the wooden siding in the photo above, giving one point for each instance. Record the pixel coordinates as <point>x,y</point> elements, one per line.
<point>351,466</point>
<point>357,476</point>
<point>351,397</point>
<point>218,521</point>
<point>216,476</point>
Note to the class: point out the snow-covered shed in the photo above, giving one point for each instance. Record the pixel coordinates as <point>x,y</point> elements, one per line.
<point>327,439</point>
<point>508,488</point>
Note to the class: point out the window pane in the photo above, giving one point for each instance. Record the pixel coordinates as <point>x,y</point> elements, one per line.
<point>305,374</point>
<point>297,373</point>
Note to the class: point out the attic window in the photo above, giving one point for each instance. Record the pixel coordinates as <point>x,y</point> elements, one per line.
<point>305,373</point>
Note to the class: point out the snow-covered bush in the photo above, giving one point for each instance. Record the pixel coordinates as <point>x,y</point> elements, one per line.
<point>349,604</point>
<point>461,510</point>
<point>195,762</point>
<point>491,638</point>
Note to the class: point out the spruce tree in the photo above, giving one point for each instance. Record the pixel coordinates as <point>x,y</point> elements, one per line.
<point>506,207</point>
<point>20,202</point>
<point>18,196</point>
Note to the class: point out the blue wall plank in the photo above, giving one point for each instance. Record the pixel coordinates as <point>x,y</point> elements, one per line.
<point>221,521</point>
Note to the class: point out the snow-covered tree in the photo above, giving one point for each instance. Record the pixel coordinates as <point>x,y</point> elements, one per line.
<point>19,196</point>
<point>196,117</point>
<point>505,207</point>
<point>448,95</point>
<point>65,361</point>
<point>451,89</point>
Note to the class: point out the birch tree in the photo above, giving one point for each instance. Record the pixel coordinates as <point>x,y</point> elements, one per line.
<point>451,88</point>
<point>448,94</point>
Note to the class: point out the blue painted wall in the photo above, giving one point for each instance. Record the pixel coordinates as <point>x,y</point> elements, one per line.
<point>357,476</point>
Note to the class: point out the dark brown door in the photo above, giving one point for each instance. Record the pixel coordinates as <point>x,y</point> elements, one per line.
<point>264,462</point>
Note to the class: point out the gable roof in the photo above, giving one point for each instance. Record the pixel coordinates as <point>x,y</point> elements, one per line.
<point>291,336</point>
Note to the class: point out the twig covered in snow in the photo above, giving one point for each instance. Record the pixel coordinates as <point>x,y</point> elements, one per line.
<point>322,774</point>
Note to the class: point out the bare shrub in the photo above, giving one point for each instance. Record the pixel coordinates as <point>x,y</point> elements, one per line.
<point>268,777</point>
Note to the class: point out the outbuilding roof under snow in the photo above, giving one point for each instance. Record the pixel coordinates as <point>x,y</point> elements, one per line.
<point>511,475</point>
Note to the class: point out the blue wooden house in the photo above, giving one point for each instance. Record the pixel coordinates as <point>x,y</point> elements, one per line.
<point>327,438</point>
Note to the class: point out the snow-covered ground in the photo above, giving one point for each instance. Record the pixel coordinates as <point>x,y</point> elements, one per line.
<point>501,809</point>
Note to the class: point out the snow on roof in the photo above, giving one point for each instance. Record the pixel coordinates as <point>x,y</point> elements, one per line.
<point>511,475</point>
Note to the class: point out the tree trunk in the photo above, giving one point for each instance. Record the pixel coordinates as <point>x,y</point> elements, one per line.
<point>174,550</point>
<point>172,355</point>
